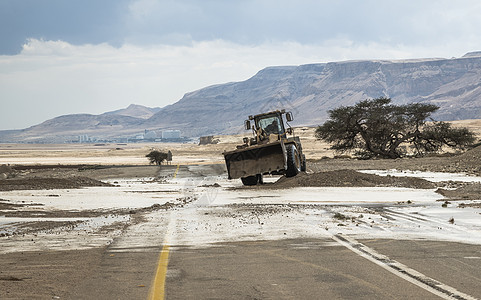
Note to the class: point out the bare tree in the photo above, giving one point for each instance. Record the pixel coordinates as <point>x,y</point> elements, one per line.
<point>377,128</point>
<point>156,157</point>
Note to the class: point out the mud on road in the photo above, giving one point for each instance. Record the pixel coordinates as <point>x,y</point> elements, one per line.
<point>351,178</point>
<point>49,183</point>
<point>467,162</point>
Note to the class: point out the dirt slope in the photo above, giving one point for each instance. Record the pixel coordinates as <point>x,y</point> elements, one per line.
<point>350,178</point>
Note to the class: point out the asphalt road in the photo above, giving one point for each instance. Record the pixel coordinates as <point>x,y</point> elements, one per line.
<point>285,269</point>
<point>289,269</point>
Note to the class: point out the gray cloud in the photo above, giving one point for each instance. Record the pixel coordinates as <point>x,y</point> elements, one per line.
<point>401,22</point>
<point>150,22</point>
<point>78,22</point>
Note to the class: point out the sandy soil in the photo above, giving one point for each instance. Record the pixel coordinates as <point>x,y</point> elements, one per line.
<point>134,154</point>
<point>351,178</point>
<point>49,183</point>
<point>466,162</point>
<point>322,173</point>
<point>466,192</point>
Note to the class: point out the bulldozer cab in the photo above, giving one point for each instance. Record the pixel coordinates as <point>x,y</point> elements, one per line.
<point>270,123</point>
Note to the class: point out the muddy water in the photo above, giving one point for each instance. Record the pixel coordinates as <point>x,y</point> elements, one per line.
<point>201,207</point>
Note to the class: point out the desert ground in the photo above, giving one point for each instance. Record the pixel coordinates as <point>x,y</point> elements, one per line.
<point>97,221</point>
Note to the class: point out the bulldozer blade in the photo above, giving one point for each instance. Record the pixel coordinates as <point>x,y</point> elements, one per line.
<point>256,160</point>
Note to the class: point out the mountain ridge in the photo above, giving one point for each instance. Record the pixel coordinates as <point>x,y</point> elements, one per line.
<point>309,90</point>
<point>313,89</point>
<point>135,110</point>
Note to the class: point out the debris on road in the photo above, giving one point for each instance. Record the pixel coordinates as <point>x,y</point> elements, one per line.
<point>351,178</point>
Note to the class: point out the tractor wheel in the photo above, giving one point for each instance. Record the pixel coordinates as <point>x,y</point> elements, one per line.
<point>250,180</point>
<point>303,164</point>
<point>293,161</point>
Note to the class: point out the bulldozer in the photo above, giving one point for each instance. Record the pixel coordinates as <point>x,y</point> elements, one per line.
<point>273,149</point>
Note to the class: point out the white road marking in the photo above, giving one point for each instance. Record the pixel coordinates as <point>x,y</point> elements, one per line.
<point>429,284</point>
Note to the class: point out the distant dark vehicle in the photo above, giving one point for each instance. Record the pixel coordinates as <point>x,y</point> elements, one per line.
<point>270,151</point>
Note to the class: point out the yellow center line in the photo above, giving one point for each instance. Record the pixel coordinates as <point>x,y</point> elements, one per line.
<point>157,291</point>
<point>177,170</point>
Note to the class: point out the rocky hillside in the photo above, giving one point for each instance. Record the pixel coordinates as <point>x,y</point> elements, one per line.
<point>69,127</point>
<point>119,123</point>
<point>309,91</point>
<point>136,111</point>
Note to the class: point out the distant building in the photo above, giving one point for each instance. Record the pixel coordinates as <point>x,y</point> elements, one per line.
<point>83,138</point>
<point>150,135</point>
<point>171,134</point>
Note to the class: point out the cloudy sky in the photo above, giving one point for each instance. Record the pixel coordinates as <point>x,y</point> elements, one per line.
<point>89,56</point>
